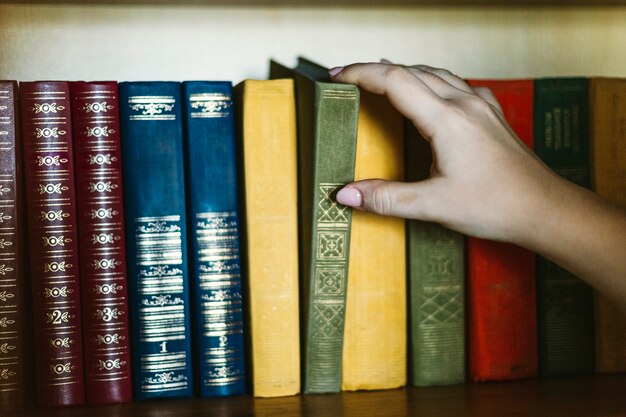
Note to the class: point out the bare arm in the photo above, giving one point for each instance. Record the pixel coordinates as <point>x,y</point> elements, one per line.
<point>485,182</point>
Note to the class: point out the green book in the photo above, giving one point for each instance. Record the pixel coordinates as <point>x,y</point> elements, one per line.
<point>436,287</point>
<point>565,306</point>
<point>327,127</point>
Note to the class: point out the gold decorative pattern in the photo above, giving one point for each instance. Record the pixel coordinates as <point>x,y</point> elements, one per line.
<point>57,292</point>
<point>5,296</point>
<point>4,243</point>
<point>57,188</point>
<point>4,190</point>
<point>46,108</point>
<point>101,159</point>
<point>109,339</point>
<point>102,187</point>
<point>49,132</point>
<point>55,240</point>
<point>6,348</point>
<point>53,215</point>
<point>104,238</point>
<point>98,131</point>
<point>59,343</point>
<point>51,160</point>
<point>57,266</point>
<point>96,107</point>
<point>152,107</point>
<point>110,364</point>
<point>102,213</point>
<point>61,368</point>
<point>210,105</point>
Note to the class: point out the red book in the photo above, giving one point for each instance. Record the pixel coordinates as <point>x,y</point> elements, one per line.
<point>12,314</point>
<point>95,118</point>
<point>53,241</point>
<point>501,277</point>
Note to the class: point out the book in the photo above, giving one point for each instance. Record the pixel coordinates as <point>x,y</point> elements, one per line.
<point>268,146</point>
<point>53,241</point>
<point>436,280</point>
<point>375,333</point>
<point>607,105</point>
<point>564,303</point>
<point>12,276</point>
<point>98,167</point>
<point>214,230</point>
<point>156,238</point>
<point>502,329</point>
<point>327,120</point>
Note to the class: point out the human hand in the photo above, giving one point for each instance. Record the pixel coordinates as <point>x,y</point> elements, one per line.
<point>484,181</point>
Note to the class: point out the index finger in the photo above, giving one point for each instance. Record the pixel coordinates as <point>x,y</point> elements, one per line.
<point>406,92</point>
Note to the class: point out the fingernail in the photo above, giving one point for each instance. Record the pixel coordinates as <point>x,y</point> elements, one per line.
<point>334,71</point>
<point>349,196</point>
<point>385,61</point>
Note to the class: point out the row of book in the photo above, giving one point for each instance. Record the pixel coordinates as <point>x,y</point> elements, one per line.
<point>177,218</point>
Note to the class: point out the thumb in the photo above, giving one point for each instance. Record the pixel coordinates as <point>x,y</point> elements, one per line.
<point>388,198</point>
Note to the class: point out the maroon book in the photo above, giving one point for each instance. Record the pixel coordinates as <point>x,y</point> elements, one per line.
<point>12,314</point>
<point>53,241</point>
<point>95,119</point>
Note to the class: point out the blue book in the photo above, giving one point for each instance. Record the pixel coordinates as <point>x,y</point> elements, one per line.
<point>211,163</point>
<point>154,204</point>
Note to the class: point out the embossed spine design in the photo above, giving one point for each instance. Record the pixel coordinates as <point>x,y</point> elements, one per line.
<point>11,256</point>
<point>53,242</point>
<point>95,117</point>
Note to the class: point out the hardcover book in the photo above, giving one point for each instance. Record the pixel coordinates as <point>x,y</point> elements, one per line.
<point>267,120</point>
<point>156,226</point>
<point>12,277</point>
<point>95,120</point>
<point>565,303</point>
<point>375,335</point>
<point>607,103</point>
<point>53,241</point>
<point>327,121</point>
<point>436,279</point>
<point>214,228</point>
<point>501,277</point>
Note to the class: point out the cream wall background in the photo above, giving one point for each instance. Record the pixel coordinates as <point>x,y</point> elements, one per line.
<point>170,42</point>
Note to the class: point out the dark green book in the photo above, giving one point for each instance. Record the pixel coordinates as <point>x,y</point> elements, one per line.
<point>327,127</point>
<point>565,306</point>
<point>436,287</point>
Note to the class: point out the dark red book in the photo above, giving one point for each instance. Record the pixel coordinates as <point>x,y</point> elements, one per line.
<point>53,241</point>
<point>12,311</point>
<point>98,167</point>
<point>502,322</point>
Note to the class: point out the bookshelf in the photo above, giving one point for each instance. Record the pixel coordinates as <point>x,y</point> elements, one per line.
<point>195,39</point>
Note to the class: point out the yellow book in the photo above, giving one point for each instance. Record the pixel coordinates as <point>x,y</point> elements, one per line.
<point>267,117</point>
<point>374,349</point>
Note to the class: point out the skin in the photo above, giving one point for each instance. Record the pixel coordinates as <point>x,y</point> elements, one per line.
<point>485,182</point>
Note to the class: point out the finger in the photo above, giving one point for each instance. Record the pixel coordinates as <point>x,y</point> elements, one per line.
<point>389,198</point>
<point>447,76</point>
<point>407,93</point>
<point>486,94</point>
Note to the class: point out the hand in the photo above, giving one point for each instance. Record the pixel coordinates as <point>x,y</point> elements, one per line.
<point>485,182</point>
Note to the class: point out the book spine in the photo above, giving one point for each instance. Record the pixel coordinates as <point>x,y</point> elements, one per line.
<point>95,120</point>
<point>268,154</point>
<point>501,276</point>
<point>53,241</point>
<point>214,229</point>
<point>334,150</point>
<point>565,303</point>
<point>607,105</point>
<point>12,306</point>
<point>436,287</point>
<point>376,306</point>
<point>154,204</point>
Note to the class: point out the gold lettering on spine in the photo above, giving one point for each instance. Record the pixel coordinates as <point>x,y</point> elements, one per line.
<point>161,310</point>
<point>217,245</point>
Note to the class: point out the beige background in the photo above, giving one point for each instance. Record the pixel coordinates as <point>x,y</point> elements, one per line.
<point>122,42</point>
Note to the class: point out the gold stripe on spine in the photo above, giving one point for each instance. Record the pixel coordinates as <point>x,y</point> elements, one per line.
<point>210,105</point>
<point>219,279</point>
<point>161,312</point>
<point>152,107</point>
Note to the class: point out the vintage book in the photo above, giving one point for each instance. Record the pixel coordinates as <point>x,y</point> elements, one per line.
<point>53,241</point>
<point>565,306</point>
<point>12,276</point>
<point>607,105</point>
<point>98,166</point>
<point>436,279</point>
<point>327,122</point>
<point>214,228</point>
<point>156,238</point>
<point>268,145</point>
<point>375,333</point>
<point>502,329</point>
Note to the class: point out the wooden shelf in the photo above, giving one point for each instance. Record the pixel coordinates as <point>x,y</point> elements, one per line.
<point>596,395</point>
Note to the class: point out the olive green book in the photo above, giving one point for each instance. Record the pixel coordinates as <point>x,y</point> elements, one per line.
<point>327,115</point>
<point>436,287</point>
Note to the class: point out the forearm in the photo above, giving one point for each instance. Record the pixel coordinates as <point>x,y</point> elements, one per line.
<point>583,233</point>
